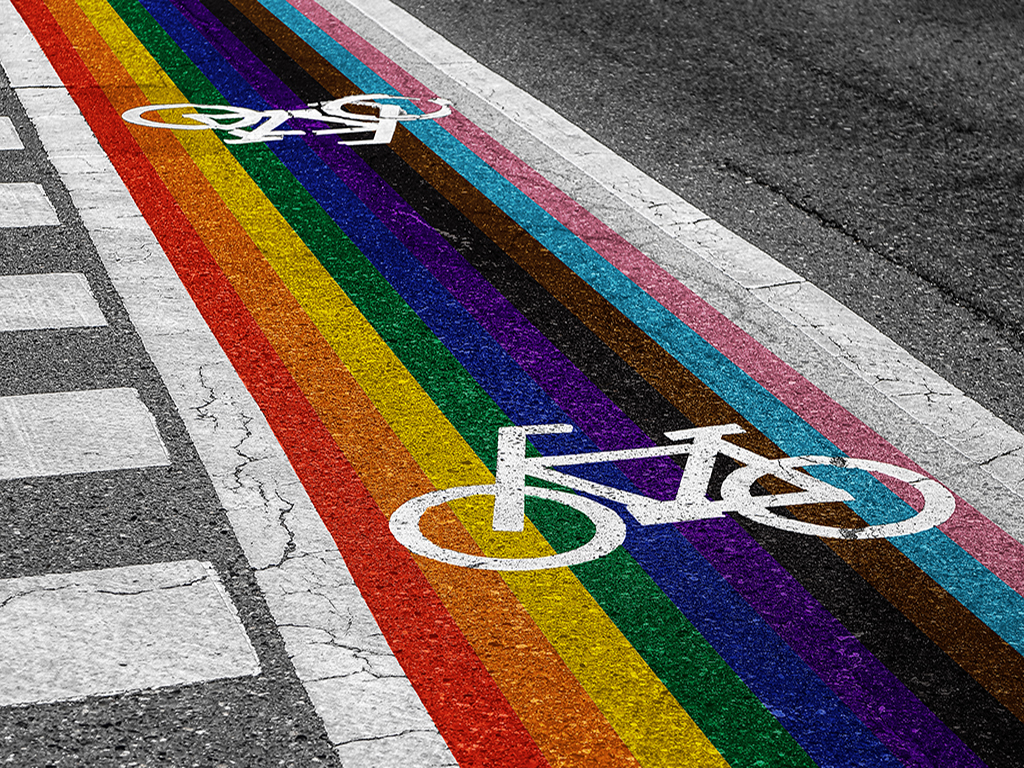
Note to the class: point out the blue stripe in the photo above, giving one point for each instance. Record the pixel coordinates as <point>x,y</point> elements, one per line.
<point>999,606</point>
<point>774,672</point>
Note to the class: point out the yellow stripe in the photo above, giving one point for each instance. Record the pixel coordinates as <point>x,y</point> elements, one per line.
<point>649,720</point>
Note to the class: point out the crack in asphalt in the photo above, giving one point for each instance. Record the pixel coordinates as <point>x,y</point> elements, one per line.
<point>76,584</point>
<point>1013,330</point>
<point>204,412</point>
<point>406,732</point>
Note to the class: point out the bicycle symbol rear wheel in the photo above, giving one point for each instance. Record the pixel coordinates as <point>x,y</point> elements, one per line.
<point>217,117</point>
<point>609,532</point>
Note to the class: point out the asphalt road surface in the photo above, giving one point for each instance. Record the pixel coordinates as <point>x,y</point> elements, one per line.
<point>258,380</point>
<point>873,146</point>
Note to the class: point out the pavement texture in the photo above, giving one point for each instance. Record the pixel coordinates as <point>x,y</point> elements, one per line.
<point>874,147</point>
<point>297,296</point>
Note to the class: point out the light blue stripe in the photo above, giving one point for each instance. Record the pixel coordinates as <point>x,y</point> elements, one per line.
<point>1000,607</point>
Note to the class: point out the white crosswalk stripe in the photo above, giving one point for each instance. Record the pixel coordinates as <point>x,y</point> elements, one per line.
<point>63,433</point>
<point>25,204</point>
<point>9,138</point>
<point>36,302</point>
<point>93,633</point>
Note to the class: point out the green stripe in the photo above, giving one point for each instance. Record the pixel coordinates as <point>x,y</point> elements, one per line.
<point>705,686</point>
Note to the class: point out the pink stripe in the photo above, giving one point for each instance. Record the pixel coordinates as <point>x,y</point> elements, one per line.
<point>972,531</point>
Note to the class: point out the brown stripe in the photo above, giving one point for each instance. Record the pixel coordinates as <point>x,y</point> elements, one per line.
<point>959,633</point>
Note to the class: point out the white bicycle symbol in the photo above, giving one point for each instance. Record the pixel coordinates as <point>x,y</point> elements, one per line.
<point>244,125</point>
<point>701,446</point>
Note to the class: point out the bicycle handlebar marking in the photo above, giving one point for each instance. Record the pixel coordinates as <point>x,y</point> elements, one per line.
<point>701,446</point>
<point>244,125</point>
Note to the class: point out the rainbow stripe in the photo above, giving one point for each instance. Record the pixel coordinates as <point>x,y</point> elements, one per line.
<point>390,307</point>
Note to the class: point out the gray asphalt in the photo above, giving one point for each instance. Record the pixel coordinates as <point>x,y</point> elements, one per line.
<point>127,517</point>
<point>873,146</point>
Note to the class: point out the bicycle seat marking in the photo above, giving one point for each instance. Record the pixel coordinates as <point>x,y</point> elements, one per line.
<point>328,118</point>
<point>702,446</point>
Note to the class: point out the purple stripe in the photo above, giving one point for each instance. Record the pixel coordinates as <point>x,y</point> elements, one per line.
<point>881,701</point>
<point>872,692</point>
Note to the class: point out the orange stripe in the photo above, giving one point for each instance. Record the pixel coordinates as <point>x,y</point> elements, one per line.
<point>554,708</point>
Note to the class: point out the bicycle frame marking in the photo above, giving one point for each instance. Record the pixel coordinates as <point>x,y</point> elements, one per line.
<point>701,446</point>
<point>245,127</point>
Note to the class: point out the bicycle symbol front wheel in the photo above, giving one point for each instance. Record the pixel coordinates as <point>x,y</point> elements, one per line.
<point>609,532</point>
<point>938,503</point>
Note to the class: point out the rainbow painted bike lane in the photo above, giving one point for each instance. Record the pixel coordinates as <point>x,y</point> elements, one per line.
<point>394,299</point>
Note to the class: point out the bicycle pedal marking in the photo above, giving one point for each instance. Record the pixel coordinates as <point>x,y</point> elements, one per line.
<point>702,446</point>
<point>251,126</point>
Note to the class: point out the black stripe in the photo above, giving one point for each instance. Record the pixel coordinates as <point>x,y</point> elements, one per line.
<point>964,705</point>
<point>984,725</point>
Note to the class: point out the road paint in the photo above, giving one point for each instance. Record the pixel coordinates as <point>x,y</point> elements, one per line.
<point>56,300</point>
<point>801,308</point>
<point>9,138</point>
<point>97,633</point>
<point>691,502</point>
<point>986,542</point>
<point>244,126</point>
<point>25,204</point>
<point>434,339</point>
<point>328,629</point>
<point>61,433</point>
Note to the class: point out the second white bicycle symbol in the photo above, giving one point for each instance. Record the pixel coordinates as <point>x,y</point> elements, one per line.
<point>701,446</point>
<point>374,124</point>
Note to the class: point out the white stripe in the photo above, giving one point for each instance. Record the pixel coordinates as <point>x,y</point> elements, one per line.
<point>23,60</point>
<point>731,266</point>
<point>63,433</point>
<point>25,204</point>
<point>9,138</point>
<point>58,300</point>
<point>923,415</point>
<point>370,710</point>
<point>96,633</point>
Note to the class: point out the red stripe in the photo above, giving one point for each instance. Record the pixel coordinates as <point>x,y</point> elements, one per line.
<point>468,708</point>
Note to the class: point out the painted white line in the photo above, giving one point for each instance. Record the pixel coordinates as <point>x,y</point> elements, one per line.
<point>58,300</point>
<point>63,433</point>
<point>923,415</point>
<point>25,204</point>
<point>268,508</point>
<point>370,710</point>
<point>96,633</point>
<point>23,60</point>
<point>9,138</point>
